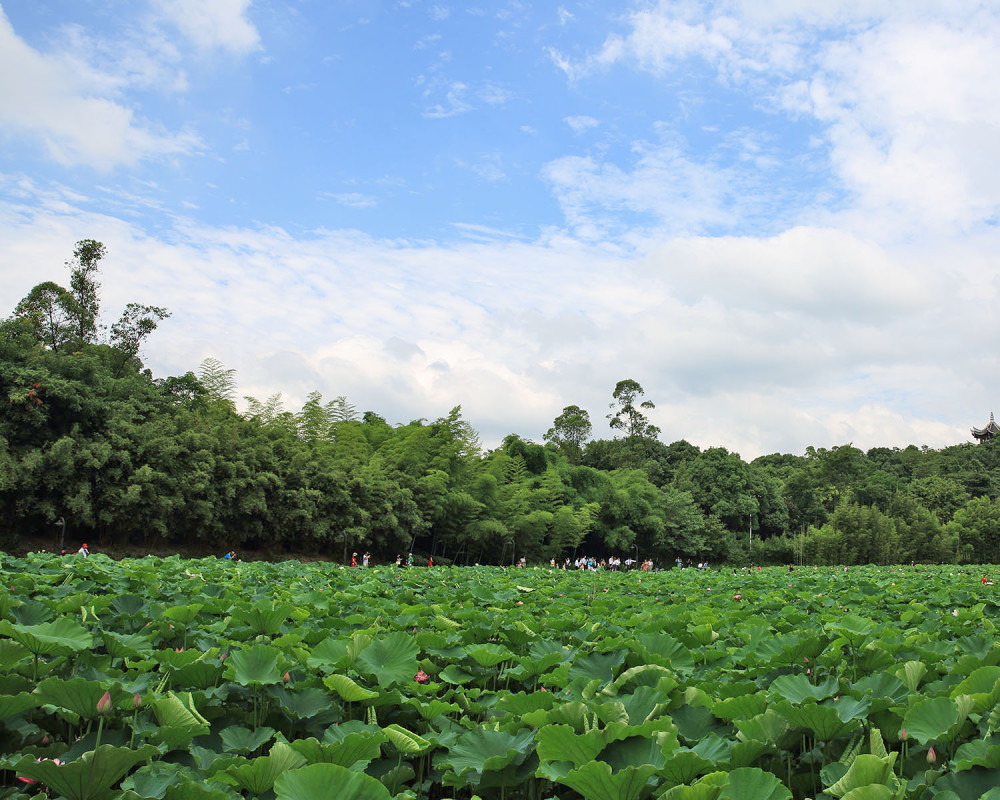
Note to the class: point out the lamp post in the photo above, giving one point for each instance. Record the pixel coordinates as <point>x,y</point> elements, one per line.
<point>61,524</point>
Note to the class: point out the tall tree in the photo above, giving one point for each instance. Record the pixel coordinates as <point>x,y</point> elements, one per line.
<point>627,413</point>
<point>85,287</point>
<point>134,326</point>
<point>569,431</point>
<point>49,312</point>
<point>219,382</point>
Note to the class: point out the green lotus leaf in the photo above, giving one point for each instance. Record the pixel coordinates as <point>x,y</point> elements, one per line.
<point>707,788</point>
<point>767,727</point>
<point>481,750</point>
<point>11,704</point>
<point>454,674</point>
<point>911,673</point>
<point>11,654</point>
<point>488,655</point>
<point>89,776</point>
<point>849,708</point>
<point>347,689</point>
<point>187,789</point>
<point>406,741</point>
<point>683,766</point>
<point>978,753</point>
<point>328,654</point>
<point>864,771</point>
<point>853,628</point>
<point>263,618</point>
<point>130,645</point>
<point>595,781</point>
<point>237,739</point>
<point>77,695</point>
<point>322,781</point>
<point>970,783</point>
<point>751,783</point>
<point>255,666</point>
<point>391,659</point>
<point>353,751</point>
<point>597,666</point>
<point>823,721</point>
<point>197,675</point>
<point>664,649</point>
<point>875,791</point>
<point>929,719</point>
<point>259,775</point>
<point>183,614</point>
<point>153,780</point>
<point>797,688</point>
<point>644,703</point>
<point>562,743</point>
<point>303,703</point>
<point>49,638</point>
<point>742,707</point>
<point>694,723</point>
<point>179,720</point>
<point>634,751</point>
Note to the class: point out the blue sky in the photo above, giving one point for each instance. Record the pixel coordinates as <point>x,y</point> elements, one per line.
<point>779,217</point>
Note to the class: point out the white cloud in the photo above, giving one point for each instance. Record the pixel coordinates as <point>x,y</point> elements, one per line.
<point>581,123</point>
<point>904,93</point>
<point>813,336</point>
<point>76,112</point>
<point>353,199</point>
<point>213,24</point>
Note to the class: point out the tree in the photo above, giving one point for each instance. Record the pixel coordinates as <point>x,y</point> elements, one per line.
<point>85,288</point>
<point>134,326</point>
<point>569,431</point>
<point>49,312</point>
<point>219,382</point>
<point>627,416</point>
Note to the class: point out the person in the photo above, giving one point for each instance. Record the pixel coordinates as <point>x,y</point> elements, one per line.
<point>365,560</point>
<point>83,551</point>
<point>430,561</point>
<point>399,560</point>
<point>229,556</point>
<point>354,559</point>
<point>409,560</point>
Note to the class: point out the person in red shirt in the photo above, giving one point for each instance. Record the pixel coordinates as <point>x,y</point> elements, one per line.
<point>354,559</point>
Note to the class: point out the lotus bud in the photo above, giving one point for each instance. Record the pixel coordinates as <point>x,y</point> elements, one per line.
<point>104,704</point>
<point>931,756</point>
<point>286,677</point>
<point>222,656</point>
<point>136,700</point>
<point>903,735</point>
<point>45,739</point>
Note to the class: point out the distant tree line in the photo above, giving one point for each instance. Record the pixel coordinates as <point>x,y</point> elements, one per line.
<point>90,436</point>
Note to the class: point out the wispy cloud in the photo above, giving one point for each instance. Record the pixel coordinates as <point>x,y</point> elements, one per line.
<point>581,123</point>
<point>77,113</point>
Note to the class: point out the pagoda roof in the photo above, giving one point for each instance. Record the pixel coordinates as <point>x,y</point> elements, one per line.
<point>991,430</point>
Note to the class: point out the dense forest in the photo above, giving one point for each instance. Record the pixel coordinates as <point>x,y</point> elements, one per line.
<point>90,438</point>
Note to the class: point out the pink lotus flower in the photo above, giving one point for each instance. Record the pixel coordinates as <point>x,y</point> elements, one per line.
<point>421,676</point>
<point>104,704</point>
<point>737,597</point>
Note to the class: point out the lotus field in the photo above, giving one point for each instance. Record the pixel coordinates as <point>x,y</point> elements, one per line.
<point>211,679</point>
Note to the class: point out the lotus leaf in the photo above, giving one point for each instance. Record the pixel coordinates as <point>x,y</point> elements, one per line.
<point>931,718</point>
<point>88,777</point>
<point>321,781</point>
